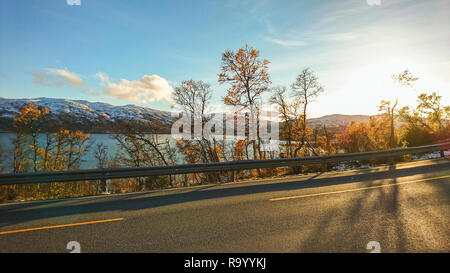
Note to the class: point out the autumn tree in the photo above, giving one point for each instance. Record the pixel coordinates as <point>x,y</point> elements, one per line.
<point>191,152</point>
<point>38,149</point>
<point>405,78</point>
<point>429,117</point>
<point>367,136</point>
<point>28,124</point>
<point>357,138</point>
<point>388,108</point>
<point>323,139</point>
<point>62,150</point>
<point>379,134</point>
<point>21,162</point>
<point>413,135</point>
<point>430,120</point>
<point>68,150</point>
<point>247,75</point>
<point>433,112</point>
<point>248,78</point>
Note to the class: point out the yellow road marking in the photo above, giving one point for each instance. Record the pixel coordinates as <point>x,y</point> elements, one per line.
<point>358,189</point>
<point>60,226</point>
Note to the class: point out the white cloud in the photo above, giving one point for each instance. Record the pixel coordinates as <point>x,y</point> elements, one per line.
<point>344,36</point>
<point>57,78</point>
<point>104,79</point>
<point>373,2</point>
<point>312,37</point>
<point>147,89</point>
<point>286,43</point>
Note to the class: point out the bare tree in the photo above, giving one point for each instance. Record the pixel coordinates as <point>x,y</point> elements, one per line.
<point>101,155</point>
<point>143,149</point>
<point>2,159</point>
<point>289,113</point>
<point>389,111</point>
<point>193,98</point>
<point>305,88</point>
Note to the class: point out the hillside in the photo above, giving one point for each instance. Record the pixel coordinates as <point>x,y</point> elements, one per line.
<point>92,117</point>
<point>99,117</point>
<point>337,119</point>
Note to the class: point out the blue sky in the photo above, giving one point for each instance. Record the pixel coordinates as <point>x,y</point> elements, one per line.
<point>134,52</point>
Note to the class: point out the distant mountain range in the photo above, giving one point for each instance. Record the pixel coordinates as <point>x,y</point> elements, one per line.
<point>337,120</point>
<point>99,117</point>
<point>92,117</point>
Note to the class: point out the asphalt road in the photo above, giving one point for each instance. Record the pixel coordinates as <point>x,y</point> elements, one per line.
<point>405,208</point>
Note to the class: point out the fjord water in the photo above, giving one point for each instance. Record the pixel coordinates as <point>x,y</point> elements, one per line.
<point>88,159</point>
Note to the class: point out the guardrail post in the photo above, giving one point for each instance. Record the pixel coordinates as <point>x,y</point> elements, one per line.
<point>103,185</point>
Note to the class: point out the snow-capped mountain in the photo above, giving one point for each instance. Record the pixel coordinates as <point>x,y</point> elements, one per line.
<point>89,116</point>
<point>99,117</point>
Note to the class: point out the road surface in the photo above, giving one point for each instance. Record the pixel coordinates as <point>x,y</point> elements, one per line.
<point>405,208</point>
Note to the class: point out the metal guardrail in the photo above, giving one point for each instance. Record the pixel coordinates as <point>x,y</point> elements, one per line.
<point>111,173</point>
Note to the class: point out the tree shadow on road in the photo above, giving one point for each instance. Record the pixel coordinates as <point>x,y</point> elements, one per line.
<point>373,215</point>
